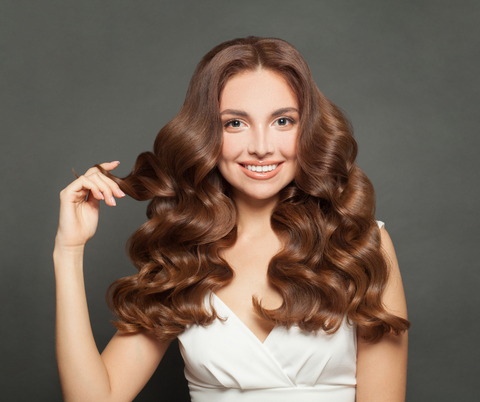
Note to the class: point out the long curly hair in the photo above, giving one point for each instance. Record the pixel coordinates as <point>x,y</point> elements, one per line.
<point>331,265</point>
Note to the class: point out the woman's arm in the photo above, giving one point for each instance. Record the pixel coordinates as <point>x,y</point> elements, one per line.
<point>125,365</point>
<point>129,360</point>
<point>382,366</point>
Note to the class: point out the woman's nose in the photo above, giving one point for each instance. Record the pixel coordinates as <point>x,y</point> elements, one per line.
<point>261,143</point>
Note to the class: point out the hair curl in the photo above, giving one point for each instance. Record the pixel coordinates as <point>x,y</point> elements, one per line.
<point>331,264</point>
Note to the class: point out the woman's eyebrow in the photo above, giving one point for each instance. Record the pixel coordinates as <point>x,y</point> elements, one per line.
<point>284,110</point>
<point>235,112</point>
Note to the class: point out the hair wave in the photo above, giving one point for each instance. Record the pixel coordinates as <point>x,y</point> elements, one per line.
<point>331,265</point>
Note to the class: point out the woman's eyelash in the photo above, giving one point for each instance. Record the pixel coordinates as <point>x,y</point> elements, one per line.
<point>289,119</point>
<point>227,124</point>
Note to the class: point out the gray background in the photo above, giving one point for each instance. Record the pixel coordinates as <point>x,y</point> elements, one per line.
<point>92,81</point>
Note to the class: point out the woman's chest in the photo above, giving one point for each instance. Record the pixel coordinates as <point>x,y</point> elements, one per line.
<point>228,354</point>
<point>250,280</point>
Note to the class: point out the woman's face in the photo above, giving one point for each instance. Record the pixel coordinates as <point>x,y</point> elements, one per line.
<point>260,119</point>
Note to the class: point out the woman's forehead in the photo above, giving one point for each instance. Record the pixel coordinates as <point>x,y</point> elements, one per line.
<point>257,89</point>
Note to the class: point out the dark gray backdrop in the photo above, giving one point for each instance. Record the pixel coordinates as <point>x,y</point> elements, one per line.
<point>93,81</point>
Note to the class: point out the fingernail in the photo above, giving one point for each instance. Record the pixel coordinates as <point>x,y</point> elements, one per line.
<point>101,196</point>
<point>113,201</point>
<point>121,193</point>
<point>117,162</point>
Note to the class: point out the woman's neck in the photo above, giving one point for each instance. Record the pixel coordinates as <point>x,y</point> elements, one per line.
<point>253,215</point>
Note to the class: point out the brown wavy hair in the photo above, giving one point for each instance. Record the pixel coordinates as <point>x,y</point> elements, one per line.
<point>331,264</point>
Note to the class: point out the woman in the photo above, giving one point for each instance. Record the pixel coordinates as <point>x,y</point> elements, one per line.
<point>261,253</point>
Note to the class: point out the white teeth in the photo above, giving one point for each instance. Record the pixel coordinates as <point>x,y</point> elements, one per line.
<point>266,168</point>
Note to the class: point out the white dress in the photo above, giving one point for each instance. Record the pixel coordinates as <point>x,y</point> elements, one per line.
<point>225,361</point>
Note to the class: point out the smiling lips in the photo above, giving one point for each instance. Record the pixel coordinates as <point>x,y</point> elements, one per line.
<point>261,170</point>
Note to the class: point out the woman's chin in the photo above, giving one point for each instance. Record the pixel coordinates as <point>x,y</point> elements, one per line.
<point>255,196</point>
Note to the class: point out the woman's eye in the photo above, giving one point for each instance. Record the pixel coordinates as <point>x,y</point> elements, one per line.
<point>283,121</point>
<point>234,124</point>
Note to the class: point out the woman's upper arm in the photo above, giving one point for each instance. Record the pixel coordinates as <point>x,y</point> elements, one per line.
<point>382,366</point>
<point>131,359</point>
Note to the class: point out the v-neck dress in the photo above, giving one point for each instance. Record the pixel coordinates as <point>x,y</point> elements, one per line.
<point>225,361</point>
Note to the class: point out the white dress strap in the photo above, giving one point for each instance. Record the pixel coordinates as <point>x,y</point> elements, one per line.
<point>380,224</point>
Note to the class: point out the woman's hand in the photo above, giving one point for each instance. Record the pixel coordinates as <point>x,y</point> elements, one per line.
<point>79,216</point>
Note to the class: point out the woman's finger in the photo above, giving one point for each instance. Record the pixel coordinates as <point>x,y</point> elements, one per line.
<point>78,189</point>
<point>114,187</point>
<point>105,187</point>
<point>107,166</point>
<point>117,192</point>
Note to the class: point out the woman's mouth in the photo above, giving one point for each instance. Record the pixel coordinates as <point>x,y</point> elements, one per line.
<point>260,169</point>
<point>264,171</point>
